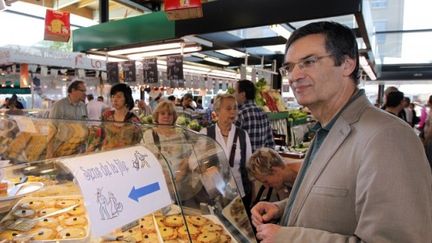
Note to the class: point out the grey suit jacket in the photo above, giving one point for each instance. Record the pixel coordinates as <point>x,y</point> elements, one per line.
<point>369,182</point>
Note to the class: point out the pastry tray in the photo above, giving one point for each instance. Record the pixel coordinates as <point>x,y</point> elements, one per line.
<point>50,202</point>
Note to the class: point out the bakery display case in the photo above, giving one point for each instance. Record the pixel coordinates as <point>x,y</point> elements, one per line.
<point>43,199</point>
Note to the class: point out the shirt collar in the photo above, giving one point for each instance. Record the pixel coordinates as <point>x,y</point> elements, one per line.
<point>355,96</point>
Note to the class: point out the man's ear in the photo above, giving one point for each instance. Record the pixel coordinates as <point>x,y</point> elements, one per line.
<point>349,65</point>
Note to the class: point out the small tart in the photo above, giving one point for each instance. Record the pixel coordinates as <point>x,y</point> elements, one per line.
<point>43,233</point>
<point>78,210</point>
<point>71,233</point>
<point>208,237</point>
<point>75,221</point>
<point>149,238</point>
<point>9,234</point>
<point>197,220</point>
<point>24,213</point>
<point>48,222</point>
<point>168,233</point>
<point>147,225</point>
<point>160,221</point>
<point>193,232</point>
<point>33,204</point>
<point>65,203</point>
<point>211,228</point>
<point>173,221</point>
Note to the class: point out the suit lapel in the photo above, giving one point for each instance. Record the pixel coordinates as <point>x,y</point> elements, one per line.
<point>331,144</point>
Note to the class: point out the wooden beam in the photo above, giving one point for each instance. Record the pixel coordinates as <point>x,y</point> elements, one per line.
<point>61,4</point>
<point>83,12</point>
<point>85,3</point>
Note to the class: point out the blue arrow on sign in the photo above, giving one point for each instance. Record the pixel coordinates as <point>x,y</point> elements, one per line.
<point>135,194</point>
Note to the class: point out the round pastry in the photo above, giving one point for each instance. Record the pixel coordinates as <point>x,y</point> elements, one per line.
<point>197,220</point>
<point>65,203</point>
<point>150,238</point>
<point>34,204</point>
<point>43,233</point>
<point>193,232</point>
<point>173,221</point>
<point>168,233</point>
<point>24,213</point>
<point>225,238</point>
<point>48,222</point>
<point>70,233</point>
<point>147,225</point>
<point>9,234</point>
<point>160,221</point>
<point>78,210</point>
<point>208,237</point>
<point>211,228</point>
<point>75,221</point>
<point>46,211</point>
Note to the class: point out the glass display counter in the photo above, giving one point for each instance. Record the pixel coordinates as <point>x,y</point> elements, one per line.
<point>42,200</point>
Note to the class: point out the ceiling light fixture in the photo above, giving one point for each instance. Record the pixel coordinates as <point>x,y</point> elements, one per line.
<point>192,38</point>
<point>215,60</point>
<point>232,53</point>
<point>188,49</point>
<point>147,48</point>
<point>104,58</point>
<point>367,68</point>
<point>281,30</point>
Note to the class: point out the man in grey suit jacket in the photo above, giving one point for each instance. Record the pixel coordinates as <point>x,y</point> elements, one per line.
<point>365,177</point>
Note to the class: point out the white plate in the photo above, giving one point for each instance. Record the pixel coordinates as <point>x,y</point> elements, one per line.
<point>21,190</point>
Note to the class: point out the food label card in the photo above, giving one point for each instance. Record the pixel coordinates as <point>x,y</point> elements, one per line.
<point>119,186</point>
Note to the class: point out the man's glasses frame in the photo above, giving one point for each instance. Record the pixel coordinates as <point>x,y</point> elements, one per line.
<point>305,63</point>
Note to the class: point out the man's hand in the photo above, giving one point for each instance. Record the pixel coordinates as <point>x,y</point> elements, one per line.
<point>264,212</point>
<point>266,232</point>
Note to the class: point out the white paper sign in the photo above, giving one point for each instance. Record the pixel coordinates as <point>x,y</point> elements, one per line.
<point>119,186</point>
<point>25,124</point>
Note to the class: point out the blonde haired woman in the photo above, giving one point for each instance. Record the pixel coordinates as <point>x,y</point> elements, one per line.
<point>234,141</point>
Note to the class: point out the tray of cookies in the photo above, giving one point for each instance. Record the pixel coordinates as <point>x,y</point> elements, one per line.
<point>235,213</point>
<point>172,228</point>
<point>71,226</point>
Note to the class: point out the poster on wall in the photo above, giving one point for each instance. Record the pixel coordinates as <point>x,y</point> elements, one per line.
<point>129,71</point>
<point>175,67</point>
<point>150,70</point>
<point>112,72</point>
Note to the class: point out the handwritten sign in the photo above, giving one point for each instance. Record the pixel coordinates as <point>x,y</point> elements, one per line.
<point>119,186</point>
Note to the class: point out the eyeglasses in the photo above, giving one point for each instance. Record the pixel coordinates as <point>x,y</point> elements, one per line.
<point>303,64</point>
<point>82,90</point>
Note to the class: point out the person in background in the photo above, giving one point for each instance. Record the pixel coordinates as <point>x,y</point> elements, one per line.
<point>100,98</point>
<point>143,108</point>
<point>94,108</point>
<point>408,112</point>
<point>13,107</point>
<point>394,103</point>
<point>268,167</point>
<point>5,104</point>
<point>251,118</point>
<point>172,98</point>
<point>71,107</point>
<point>208,119</point>
<point>123,103</point>
<point>199,105</point>
<point>365,177</point>
<point>424,116</point>
<point>18,103</point>
<point>187,102</point>
<point>416,119</point>
<point>234,141</point>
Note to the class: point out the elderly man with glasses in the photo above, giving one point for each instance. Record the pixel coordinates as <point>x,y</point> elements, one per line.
<point>365,177</point>
<point>71,107</point>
